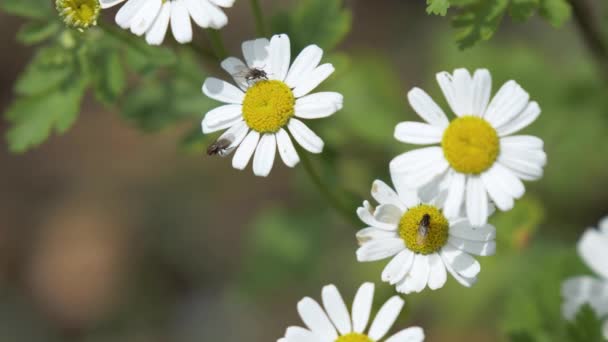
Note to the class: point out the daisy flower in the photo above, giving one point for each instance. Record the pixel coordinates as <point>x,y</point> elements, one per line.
<point>478,158</point>
<point>152,17</point>
<point>260,110</point>
<point>577,291</point>
<point>333,323</point>
<point>423,243</point>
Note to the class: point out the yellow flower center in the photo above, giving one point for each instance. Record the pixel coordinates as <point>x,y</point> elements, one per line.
<point>354,337</point>
<point>470,144</point>
<point>268,106</point>
<point>79,14</point>
<point>424,229</point>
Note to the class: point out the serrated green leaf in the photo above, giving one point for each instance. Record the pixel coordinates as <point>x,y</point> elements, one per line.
<point>36,9</point>
<point>557,12</point>
<point>50,67</point>
<point>478,22</point>
<point>35,118</point>
<point>321,22</point>
<point>439,7</point>
<point>36,32</point>
<point>522,10</point>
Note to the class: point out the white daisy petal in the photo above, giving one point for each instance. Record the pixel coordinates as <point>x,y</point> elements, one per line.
<point>460,262</point>
<point>455,198</point>
<point>476,201</point>
<point>521,141</point>
<point>280,56</point>
<point>223,3</point>
<point>305,136</point>
<point>370,233</point>
<point>603,225</point>
<point>438,274</point>
<point>383,194</point>
<point>418,133</point>
<point>482,90</point>
<point>578,291</point>
<point>336,309</point>
<point>388,213</point>
<point>303,65</point>
<point>297,334</point>
<point>385,318</point>
<point>222,91</point>
<point>366,215</point>
<point>156,34</point>
<point>398,267</point>
<point>375,250</point>
<point>419,167</point>
<point>180,22</point>
<point>315,318</point>
<point>593,249</point>
<point>496,189</point>
<point>362,306</point>
<point>286,149</point>
<point>509,102</point>
<point>198,13</point>
<point>523,168</point>
<point>462,229</point>
<point>109,3</point>
<point>464,281</point>
<point>413,334</point>
<point>521,121</point>
<point>318,105</point>
<point>407,195</point>
<point>256,53</point>
<point>482,248</point>
<point>236,134</point>
<point>221,117</point>
<point>264,155</point>
<point>444,79</point>
<point>420,272</point>
<point>236,68</point>
<point>144,18</point>
<point>426,108</point>
<point>217,17</point>
<point>313,79</point>
<point>245,150</point>
<point>126,13</point>
<point>463,92</point>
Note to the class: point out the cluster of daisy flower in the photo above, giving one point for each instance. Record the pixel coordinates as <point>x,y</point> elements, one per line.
<point>432,222</point>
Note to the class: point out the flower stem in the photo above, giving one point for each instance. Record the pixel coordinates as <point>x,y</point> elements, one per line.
<point>217,43</point>
<point>331,197</point>
<point>260,24</point>
<point>592,34</point>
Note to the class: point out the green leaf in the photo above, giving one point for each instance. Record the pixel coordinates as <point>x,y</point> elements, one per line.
<point>522,10</point>
<point>109,77</point>
<point>321,22</point>
<point>35,118</point>
<point>36,31</point>
<point>586,326</point>
<point>36,9</point>
<point>49,68</point>
<point>478,21</point>
<point>439,7</point>
<point>557,12</point>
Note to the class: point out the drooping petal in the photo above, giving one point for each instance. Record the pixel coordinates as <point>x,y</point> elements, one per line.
<point>144,18</point>
<point>126,13</point>
<point>217,17</point>
<point>455,198</point>
<point>180,22</point>
<point>109,3</point>
<point>156,33</point>
<point>198,13</point>
<point>460,262</point>
<point>264,155</point>
<point>476,201</point>
<point>438,274</point>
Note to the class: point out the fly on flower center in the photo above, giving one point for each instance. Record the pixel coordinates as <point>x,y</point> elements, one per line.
<point>424,229</point>
<point>470,144</point>
<point>354,337</point>
<point>268,106</point>
<point>78,13</point>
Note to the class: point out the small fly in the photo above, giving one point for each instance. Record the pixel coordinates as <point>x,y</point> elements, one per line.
<point>423,229</point>
<point>220,147</point>
<point>252,75</point>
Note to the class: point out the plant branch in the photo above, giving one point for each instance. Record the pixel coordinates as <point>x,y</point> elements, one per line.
<point>591,32</point>
<point>217,43</point>
<point>260,24</point>
<point>331,197</point>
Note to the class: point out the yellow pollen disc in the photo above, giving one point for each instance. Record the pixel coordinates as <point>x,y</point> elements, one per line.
<point>354,337</point>
<point>79,14</point>
<point>268,106</point>
<point>470,144</point>
<point>424,241</point>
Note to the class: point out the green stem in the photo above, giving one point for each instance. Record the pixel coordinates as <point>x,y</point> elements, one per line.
<point>260,24</point>
<point>331,197</point>
<point>217,43</point>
